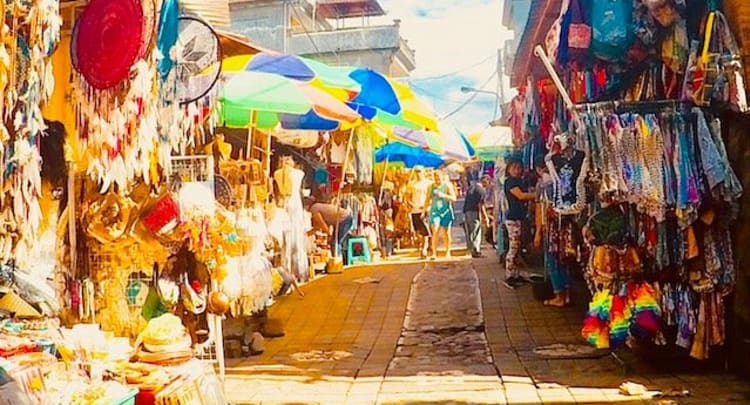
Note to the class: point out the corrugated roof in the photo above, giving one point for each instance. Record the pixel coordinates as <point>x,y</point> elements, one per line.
<point>215,12</point>
<point>541,16</point>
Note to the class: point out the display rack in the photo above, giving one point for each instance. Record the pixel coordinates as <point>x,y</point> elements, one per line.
<point>200,169</point>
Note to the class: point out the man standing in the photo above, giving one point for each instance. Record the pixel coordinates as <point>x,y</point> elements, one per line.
<point>417,199</point>
<point>475,216</point>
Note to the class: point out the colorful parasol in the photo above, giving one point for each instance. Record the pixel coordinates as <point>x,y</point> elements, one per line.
<point>267,96</point>
<point>334,80</point>
<point>410,156</point>
<point>413,109</point>
<point>448,143</point>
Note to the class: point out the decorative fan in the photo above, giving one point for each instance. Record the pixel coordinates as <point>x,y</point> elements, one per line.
<point>197,59</point>
<point>223,191</point>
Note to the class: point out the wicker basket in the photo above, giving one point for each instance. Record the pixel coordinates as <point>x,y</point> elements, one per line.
<point>738,15</point>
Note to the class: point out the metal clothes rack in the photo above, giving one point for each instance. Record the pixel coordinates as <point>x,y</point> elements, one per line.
<point>621,107</point>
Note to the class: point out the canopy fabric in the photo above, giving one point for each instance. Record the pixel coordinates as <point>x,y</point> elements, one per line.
<point>264,95</point>
<point>334,76</point>
<point>334,79</point>
<point>263,92</point>
<point>410,156</point>
<point>289,66</point>
<point>376,91</point>
<point>412,108</point>
<point>447,143</point>
<point>328,106</point>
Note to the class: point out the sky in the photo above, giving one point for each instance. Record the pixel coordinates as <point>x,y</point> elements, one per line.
<point>455,43</point>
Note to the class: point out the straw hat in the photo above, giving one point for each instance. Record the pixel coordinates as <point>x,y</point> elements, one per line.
<point>13,303</point>
<point>109,37</point>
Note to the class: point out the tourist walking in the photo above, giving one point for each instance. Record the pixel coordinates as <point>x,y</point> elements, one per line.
<point>442,197</point>
<point>475,216</point>
<point>417,201</point>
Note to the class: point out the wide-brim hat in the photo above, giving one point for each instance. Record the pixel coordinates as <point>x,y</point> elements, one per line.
<point>109,38</point>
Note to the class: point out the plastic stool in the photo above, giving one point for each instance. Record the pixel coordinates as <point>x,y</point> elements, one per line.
<point>358,250</point>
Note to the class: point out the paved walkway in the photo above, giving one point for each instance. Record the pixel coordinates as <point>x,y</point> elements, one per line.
<point>446,332</point>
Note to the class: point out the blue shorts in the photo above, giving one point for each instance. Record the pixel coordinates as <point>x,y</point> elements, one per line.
<point>443,219</point>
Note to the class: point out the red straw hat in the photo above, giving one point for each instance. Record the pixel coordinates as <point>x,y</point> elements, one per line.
<point>109,39</point>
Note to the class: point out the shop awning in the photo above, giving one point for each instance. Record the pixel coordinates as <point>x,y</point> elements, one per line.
<point>541,16</point>
<point>349,8</point>
<point>235,44</point>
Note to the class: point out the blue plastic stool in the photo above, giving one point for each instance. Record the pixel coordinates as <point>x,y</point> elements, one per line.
<point>357,250</point>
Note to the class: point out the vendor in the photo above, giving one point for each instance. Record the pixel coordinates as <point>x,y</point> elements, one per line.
<point>326,216</point>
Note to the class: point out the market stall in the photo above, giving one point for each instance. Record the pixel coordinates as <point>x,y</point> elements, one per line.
<point>644,194</point>
<point>155,225</point>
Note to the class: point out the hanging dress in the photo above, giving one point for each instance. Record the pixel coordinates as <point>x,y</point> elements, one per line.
<point>295,235</point>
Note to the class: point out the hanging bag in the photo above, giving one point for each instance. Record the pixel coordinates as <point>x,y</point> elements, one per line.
<point>611,26</point>
<point>716,74</point>
<point>556,38</point>
<point>579,33</point>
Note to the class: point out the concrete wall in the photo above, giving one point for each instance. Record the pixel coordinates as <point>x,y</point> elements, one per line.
<point>262,23</point>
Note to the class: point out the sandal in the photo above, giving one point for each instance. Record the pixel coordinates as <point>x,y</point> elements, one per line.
<point>549,303</point>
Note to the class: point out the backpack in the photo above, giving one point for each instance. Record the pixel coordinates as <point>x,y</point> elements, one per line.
<point>611,24</point>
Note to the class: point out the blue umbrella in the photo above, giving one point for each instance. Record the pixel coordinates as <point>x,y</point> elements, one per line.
<point>465,140</point>
<point>410,155</point>
<point>376,92</point>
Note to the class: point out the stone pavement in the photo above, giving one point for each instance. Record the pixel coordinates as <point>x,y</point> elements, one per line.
<point>447,332</point>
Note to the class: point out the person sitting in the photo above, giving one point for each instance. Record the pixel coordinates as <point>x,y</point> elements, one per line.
<point>475,216</point>
<point>335,220</point>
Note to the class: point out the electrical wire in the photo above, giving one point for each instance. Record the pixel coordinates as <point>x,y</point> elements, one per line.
<point>470,99</point>
<point>455,72</point>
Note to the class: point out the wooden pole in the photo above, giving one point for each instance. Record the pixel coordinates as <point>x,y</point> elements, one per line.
<point>385,172</point>
<point>72,220</point>
<point>341,186</point>
<point>249,151</point>
<point>539,51</point>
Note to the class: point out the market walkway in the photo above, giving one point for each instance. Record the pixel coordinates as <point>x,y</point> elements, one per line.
<point>349,341</point>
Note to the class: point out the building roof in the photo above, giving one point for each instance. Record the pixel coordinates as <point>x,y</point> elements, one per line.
<point>349,8</point>
<point>542,15</point>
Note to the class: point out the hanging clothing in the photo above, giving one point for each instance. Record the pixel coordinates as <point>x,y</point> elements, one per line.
<point>363,156</point>
<point>517,125</point>
<point>568,167</point>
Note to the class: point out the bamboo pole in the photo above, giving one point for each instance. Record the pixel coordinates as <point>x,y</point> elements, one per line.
<point>338,193</point>
<point>539,52</point>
